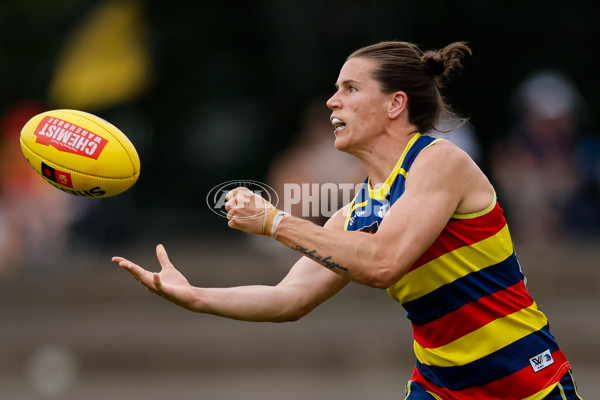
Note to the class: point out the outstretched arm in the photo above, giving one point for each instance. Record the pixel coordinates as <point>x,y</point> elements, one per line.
<point>305,287</point>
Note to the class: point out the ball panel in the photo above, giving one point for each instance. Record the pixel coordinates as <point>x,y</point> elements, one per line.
<point>74,182</point>
<point>79,153</point>
<point>82,142</point>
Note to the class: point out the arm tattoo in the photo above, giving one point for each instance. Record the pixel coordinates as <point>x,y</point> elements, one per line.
<point>326,261</point>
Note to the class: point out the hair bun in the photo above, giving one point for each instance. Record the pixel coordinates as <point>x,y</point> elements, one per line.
<point>434,63</point>
<point>439,63</point>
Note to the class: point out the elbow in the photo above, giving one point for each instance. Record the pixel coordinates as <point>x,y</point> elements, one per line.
<point>382,281</point>
<point>386,265</point>
<point>385,274</point>
<point>292,315</point>
<point>289,317</point>
<point>382,284</point>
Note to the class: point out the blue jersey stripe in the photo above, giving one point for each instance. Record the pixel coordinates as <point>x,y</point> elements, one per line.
<point>419,145</point>
<point>492,367</point>
<point>472,287</point>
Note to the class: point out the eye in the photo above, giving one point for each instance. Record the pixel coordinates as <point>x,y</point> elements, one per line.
<point>352,89</point>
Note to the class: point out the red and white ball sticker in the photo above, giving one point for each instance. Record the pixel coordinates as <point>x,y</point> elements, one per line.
<point>69,138</point>
<point>61,177</point>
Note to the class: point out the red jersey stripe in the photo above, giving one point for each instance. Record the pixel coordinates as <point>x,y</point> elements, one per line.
<point>473,316</point>
<point>463,232</point>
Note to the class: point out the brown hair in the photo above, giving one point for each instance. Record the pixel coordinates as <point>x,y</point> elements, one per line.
<point>421,75</point>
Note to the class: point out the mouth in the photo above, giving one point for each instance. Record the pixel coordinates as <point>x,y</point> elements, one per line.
<point>338,124</point>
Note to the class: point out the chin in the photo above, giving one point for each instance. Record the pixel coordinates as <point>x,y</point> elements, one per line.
<point>340,144</point>
<point>345,145</point>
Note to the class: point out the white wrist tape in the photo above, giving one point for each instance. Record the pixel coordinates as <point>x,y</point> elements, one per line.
<point>278,217</point>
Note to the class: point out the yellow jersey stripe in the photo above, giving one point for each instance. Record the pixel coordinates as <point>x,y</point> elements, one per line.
<point>456,264</point>
<point>435,396</point>
<point>475,345</point>
<point>382,192</point>
<point>542,393</point>
<point>478,213</point>
<point>351,210</point>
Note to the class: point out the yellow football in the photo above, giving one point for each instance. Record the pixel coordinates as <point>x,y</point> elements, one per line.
<point>80,153</point>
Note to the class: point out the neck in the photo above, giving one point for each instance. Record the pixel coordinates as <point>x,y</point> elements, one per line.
<point>379,162</point>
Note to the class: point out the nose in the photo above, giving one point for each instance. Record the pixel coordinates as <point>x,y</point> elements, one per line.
<point>334,102</point>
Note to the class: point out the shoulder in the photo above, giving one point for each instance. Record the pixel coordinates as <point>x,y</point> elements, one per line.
<point>442,158</point>
<point>445,167</point>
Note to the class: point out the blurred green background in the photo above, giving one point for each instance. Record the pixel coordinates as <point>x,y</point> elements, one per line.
<point>214,91</point>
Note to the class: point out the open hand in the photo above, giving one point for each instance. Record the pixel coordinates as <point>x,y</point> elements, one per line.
<point>168,283</point>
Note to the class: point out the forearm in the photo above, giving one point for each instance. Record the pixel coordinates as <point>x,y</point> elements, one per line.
<point>353,255</point>
<point>305,286</point>
<point>247,303</point>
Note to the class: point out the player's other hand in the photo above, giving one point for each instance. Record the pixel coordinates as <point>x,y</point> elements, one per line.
<point>168,283</point>
<point>247,211</point>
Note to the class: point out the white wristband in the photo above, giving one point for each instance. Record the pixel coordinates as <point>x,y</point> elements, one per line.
<point>278,217</point>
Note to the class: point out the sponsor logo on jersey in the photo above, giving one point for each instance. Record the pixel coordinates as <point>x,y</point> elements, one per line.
<point>383,210</point>
<point>69,138</point>
<point>541,361</point>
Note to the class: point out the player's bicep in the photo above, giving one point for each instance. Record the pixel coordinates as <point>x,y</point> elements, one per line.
<point>418,217</point>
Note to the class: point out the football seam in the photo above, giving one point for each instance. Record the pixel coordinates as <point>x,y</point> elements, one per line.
<point>111,134</point>
<point>67,169</point>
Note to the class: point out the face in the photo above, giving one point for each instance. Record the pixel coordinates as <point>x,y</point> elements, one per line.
<point>359,106</point>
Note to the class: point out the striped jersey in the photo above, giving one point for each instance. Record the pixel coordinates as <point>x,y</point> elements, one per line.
<point>478,334</point>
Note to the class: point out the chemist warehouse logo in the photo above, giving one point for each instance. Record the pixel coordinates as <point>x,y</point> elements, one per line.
<point>215,199</point>
<point>69,138</point>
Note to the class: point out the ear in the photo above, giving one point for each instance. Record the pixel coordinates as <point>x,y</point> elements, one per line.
<point>397,104</point>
